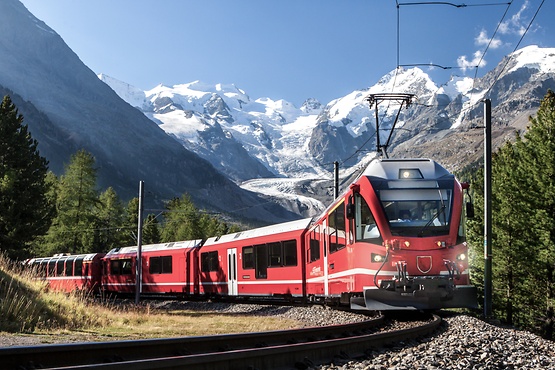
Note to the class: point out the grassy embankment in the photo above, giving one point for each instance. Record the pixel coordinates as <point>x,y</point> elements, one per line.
<point>27,306</point>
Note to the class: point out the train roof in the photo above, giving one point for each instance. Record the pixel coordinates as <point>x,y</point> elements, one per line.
<point>186,244</point>
<point>390,169</point>
<point>64,256</point>
<point>261,231</point>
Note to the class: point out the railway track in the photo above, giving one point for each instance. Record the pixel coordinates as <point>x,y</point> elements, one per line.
<point>298,348</point>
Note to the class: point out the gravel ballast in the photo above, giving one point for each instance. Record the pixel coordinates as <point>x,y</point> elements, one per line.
<point>462,342</point>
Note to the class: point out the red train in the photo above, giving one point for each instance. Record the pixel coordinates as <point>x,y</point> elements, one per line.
<point>69,272</point>
<point>394,240</point>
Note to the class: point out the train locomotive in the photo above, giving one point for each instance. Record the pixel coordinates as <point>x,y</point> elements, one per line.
<point>395,239</point>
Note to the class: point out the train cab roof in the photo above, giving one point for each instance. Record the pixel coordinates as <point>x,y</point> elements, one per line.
<point>155,247</point>
<point>405,169</point>
<point>261,231</point>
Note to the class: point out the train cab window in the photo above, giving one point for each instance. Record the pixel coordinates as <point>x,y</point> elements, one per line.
<point>314,252</point>
<point>78,269</point>
<point>366,229</point>
<point>160,265</point>
<point>69,266</point>
<point>248,258</point>
<point>418,212</point>
<point>314,245</point>
<point>209,261</point>
<point>337,228</point>
<point>290,253</point>
<point>121,267</point>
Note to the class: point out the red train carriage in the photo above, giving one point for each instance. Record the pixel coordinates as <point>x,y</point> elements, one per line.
<point>69,272</point>
<point>166,268</point>
<point>267,261</point>
<point>397,236</point>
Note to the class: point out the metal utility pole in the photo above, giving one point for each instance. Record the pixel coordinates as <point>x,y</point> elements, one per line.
<point>139,263</point>
<point>487,212</point>
<point>335,179</point>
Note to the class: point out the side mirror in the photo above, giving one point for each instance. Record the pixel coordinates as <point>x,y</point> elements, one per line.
<point>469,210</point>
<point>350,209</point>
<point>469,205</point>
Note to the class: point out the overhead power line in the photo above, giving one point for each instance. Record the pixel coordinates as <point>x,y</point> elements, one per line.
<point>450,4</point>
<point>516,47</point>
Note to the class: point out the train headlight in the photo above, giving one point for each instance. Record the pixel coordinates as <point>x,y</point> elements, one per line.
<point>410,173</point>
<point>461,257</point>
<point>377,257</point>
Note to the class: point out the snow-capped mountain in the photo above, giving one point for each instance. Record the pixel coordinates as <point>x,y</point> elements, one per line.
<point>275,148</point>
<point>243,138</point>
<point>447,130</point>
<point>178,136</point>
<point>248,139</point>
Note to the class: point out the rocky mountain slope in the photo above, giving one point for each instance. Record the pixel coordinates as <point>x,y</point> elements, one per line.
<point>68,108</point>
<point>287,153</point>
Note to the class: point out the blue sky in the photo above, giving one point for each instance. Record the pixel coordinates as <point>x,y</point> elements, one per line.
<point>290,49</point>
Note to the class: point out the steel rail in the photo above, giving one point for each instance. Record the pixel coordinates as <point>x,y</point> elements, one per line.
<point>269,350</point>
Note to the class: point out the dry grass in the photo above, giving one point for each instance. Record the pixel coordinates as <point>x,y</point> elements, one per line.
<point>153,323</point>
<point>28,307</point>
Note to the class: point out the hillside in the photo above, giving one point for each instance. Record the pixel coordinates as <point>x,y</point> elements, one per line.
<point>68,108</point>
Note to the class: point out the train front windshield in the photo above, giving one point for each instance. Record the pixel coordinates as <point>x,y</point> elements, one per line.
<point>417,212</point>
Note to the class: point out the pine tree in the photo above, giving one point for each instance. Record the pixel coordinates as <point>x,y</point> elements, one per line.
<point>151,231</point>
<point>539,166</point>
<point>129,236</point>
<point>475,230</point>
<point>110,215</point>
<point>24,210</point>
<point>73,228</point>
<point>182,220</point>
<point>515,257</point>
<point>523,187</point>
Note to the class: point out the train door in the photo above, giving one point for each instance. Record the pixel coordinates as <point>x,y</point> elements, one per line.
<point>184,267</point>
<point>232,271</point>
<point>323,241</point>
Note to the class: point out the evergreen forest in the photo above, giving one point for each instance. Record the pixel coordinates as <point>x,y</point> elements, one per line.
<point>523,225</point>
